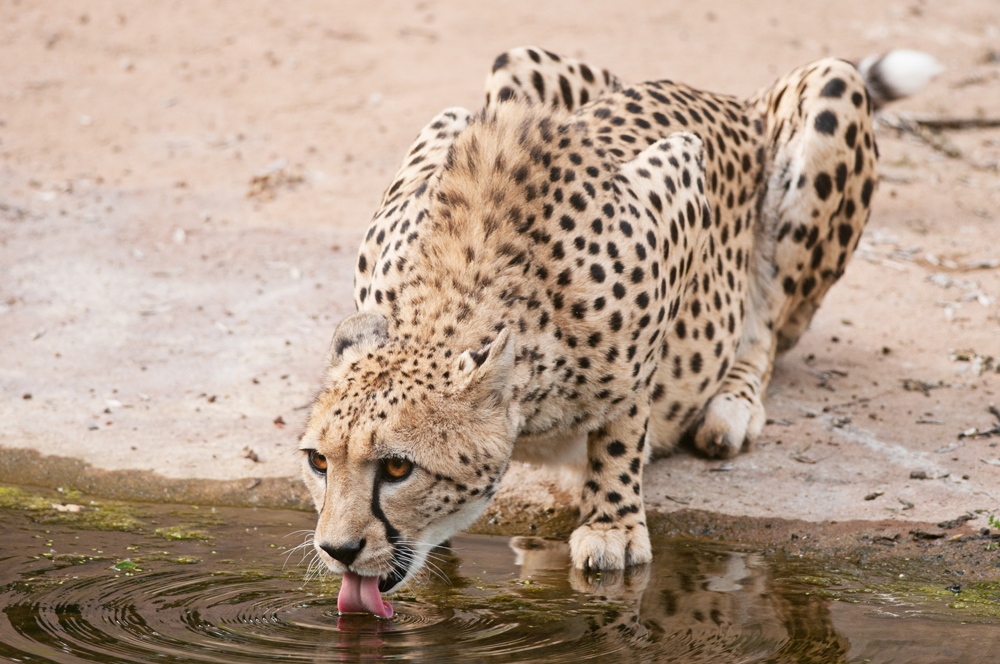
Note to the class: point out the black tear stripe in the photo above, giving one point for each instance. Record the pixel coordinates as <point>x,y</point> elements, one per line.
<point>396,575</point>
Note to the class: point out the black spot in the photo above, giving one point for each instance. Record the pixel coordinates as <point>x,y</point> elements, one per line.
<point>789,285</point>
<point>500,62</point>
<point>616,448</point>
<point>567,92</point>
<point>655,200</point>
<point>835,88</point>
<point>823,185</point>
<point>618,290</point>
<point>616,321</point>
<point>841,176</point>
<point>844,233</point>
<point>817,256</point>
<point>826,122</point>
<point>866,192</point>
<point>807,285</point>
<point>696,363</point>
<point>851,135</point>
<point>577,201</point>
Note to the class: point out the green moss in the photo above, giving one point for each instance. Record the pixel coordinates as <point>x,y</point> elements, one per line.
<point>816,580</point>
<point>182,533</point>
<point>95,516</point>
<point>103,517</point>
<point>18,499</point>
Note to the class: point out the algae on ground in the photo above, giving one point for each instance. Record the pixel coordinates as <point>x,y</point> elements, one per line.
<point>19,499</point>
<point>182,533</point>
<point>94,516</point>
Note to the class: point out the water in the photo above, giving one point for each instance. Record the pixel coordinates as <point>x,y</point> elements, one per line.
<point>147,583</point>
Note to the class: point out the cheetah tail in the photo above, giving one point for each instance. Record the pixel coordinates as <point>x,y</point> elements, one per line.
<point>897,74</point>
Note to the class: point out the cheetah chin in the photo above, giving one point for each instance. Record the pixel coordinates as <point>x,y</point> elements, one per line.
<point>584,260</point>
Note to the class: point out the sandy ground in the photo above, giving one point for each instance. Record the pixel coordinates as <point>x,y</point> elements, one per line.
<point>183,187</point>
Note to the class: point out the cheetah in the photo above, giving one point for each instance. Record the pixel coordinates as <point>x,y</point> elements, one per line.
<point>582,273</point>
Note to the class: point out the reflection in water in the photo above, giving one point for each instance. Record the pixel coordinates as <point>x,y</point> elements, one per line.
<point>210,588</point>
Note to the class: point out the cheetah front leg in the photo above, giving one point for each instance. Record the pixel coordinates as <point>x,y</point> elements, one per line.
<point>820,173</point>
<point>612,533</point>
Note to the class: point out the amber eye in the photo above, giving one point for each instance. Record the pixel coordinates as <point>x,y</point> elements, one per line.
<point>317,461</point>
<point>396,468</point>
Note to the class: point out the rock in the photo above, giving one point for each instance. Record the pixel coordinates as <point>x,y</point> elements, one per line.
<point>931,533</point>
<point>955,523</point>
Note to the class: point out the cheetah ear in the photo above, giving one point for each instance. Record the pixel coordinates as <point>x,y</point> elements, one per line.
<point>362,329</point>
<point>487,373</point>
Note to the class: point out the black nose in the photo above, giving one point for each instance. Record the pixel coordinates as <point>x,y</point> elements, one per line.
<point>345,553</point>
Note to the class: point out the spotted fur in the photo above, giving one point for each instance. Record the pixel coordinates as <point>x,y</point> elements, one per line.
<point>584,271</point>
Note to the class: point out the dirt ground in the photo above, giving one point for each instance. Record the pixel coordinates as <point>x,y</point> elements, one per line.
<point>183,187</point>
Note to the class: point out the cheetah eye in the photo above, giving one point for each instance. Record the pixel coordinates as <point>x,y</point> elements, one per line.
<point>317,461</point>
<point>396,469</point>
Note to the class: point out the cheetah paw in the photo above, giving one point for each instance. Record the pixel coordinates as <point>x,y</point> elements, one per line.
<point>601,546</point>
<point>729,425</point>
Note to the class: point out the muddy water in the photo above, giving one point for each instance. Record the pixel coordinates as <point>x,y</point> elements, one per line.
<point>148,583</point>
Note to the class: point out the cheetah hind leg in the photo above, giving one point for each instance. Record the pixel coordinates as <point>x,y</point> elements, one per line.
<point>820,173</point>
<point>536,76</point>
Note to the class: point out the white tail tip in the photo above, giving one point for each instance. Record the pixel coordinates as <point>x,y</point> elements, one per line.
<point>897,74</point>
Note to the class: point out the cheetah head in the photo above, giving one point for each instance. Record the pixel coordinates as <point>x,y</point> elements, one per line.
<point>405,446</point>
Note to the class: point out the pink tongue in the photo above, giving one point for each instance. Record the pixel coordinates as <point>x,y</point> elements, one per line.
<point>359,594</point>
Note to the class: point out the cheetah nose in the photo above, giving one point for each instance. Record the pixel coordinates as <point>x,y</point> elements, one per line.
<point>346,553</point>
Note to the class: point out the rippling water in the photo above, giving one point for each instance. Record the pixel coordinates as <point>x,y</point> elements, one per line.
<point>119,583</point>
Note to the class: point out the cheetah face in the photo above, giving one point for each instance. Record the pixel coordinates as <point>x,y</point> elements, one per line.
<point>404,447</point>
